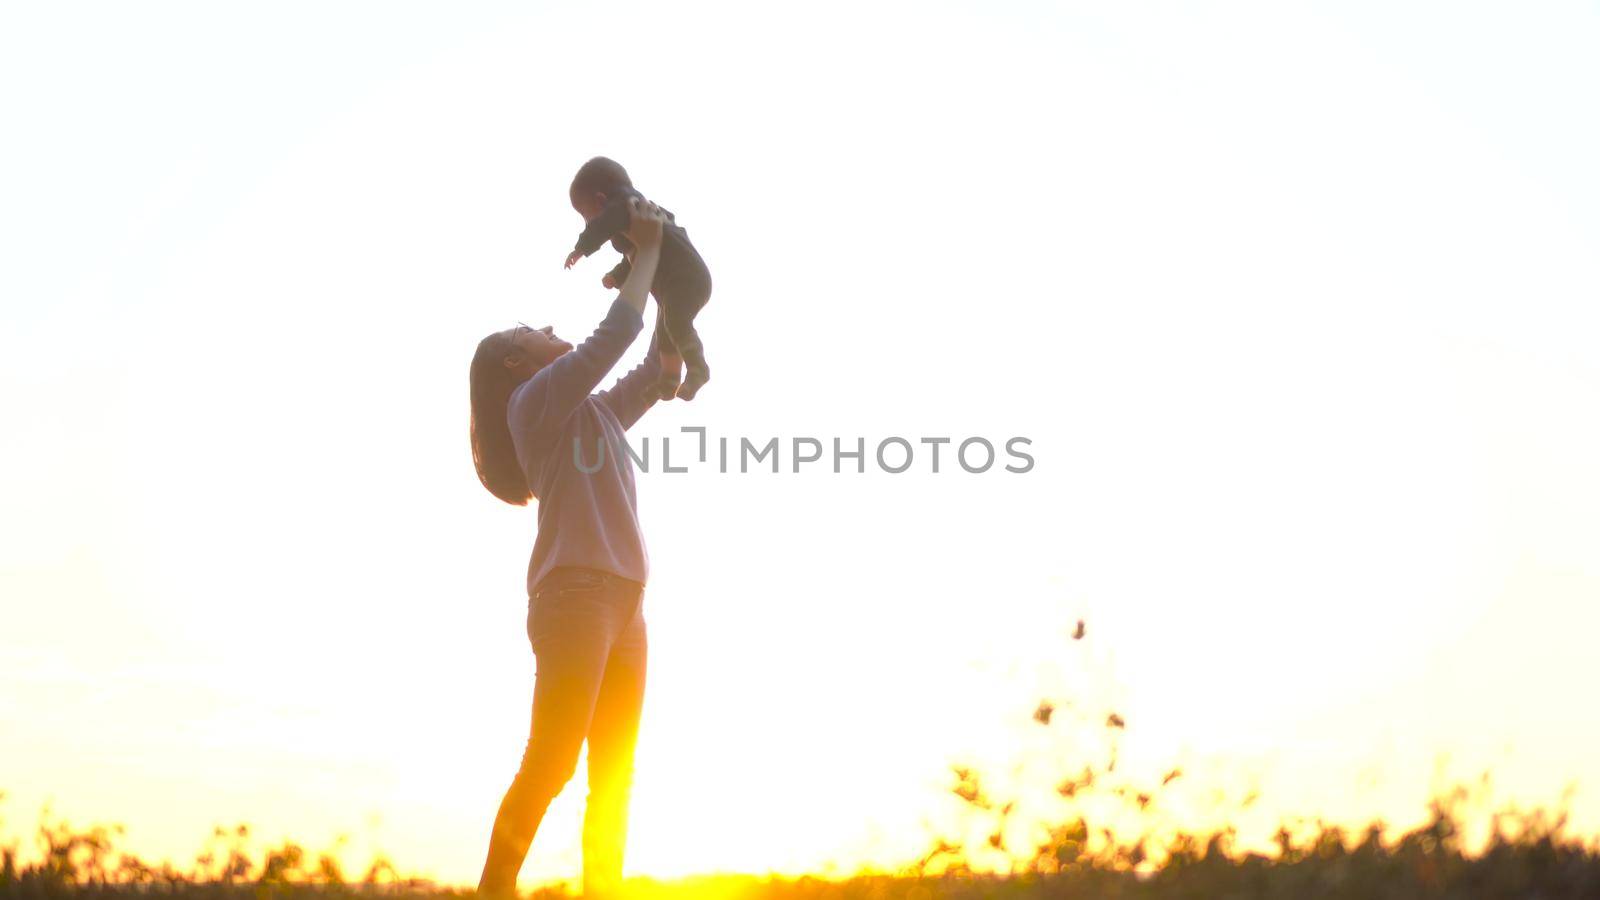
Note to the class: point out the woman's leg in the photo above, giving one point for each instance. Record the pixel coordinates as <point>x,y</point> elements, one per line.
<point>572,627</point>
<point>612,736</point>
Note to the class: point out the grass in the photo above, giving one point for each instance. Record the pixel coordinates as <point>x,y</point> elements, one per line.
<point>1527,855</point>
<point>1079,846</point>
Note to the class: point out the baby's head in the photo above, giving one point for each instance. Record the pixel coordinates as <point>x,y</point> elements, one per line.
<point>597,180</point>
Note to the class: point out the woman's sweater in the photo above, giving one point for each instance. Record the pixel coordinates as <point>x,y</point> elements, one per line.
<point>562,430</point>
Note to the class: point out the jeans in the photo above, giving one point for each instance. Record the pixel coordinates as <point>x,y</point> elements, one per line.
<point>588,635</point>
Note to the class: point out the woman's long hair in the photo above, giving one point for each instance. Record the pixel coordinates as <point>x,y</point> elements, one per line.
<point>492,452</point>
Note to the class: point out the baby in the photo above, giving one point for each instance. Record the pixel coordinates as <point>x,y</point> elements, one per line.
<point>600,193</point>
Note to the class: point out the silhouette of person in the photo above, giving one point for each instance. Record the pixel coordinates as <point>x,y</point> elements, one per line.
<point>535,412</point>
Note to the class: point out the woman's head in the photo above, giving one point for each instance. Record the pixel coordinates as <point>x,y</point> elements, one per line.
<point>504,360</point>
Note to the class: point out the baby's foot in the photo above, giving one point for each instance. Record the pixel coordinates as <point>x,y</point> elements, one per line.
<point>692,383</point>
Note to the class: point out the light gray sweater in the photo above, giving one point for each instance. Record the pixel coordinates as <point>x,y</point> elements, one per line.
<point>586,518</point>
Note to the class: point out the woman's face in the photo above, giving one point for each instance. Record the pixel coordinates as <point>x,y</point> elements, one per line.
<point>536,348</point>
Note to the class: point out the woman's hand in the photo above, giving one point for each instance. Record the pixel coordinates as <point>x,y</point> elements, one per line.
<point>644,231</point>
<point>644,224</point>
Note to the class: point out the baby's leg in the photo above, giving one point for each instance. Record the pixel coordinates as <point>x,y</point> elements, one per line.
<point>680,325</point>
<point>666,386</point>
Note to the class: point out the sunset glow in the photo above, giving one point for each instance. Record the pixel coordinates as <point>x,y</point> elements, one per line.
<point>1296,309</point>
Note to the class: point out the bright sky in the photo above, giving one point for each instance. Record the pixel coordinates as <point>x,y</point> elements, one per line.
<point>1296,305</point>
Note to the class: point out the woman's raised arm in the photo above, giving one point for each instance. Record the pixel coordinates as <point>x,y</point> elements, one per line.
<point>644,231</point>
<point>634,393</point>
<point>544,402</point>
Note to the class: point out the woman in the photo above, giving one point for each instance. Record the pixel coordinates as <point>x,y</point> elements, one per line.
<point>537,428</point>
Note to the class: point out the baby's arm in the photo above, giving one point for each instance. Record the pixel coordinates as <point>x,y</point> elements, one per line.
<point>612,221</point>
